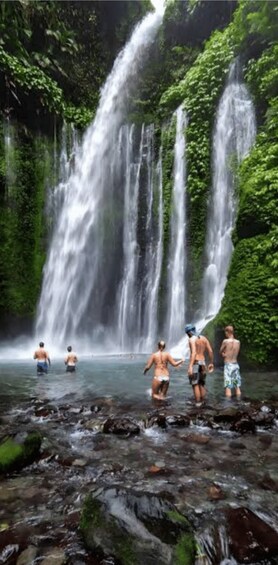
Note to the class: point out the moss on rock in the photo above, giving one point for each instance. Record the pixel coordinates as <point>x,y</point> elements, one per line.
<point>18,452</point>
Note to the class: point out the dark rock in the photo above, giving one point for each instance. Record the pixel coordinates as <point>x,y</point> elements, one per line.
<point>95,408</point>
<point>179,420</point>
<point>264,419</point>
<point>266,441</point>
<point>227,415</point>
<point>244,425</point>
<point>251,539</point>
<point>18,451</point>
<point>121,426</point>
<point>267,483</point>
<point>236,445</point>
<point>156,420</point>
<point>136,528</point>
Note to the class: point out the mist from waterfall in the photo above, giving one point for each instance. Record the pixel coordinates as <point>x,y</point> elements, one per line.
<point>234,134</point>
<point>87,261</point>
<point>176,294</point>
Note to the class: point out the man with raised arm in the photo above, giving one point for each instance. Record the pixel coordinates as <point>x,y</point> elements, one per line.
<point>199,345</point>
<point>229,350</point>
<point>42,359</point>
<point>161,378</point>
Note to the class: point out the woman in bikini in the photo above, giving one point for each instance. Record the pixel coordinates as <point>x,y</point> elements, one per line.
<point>160,360</point>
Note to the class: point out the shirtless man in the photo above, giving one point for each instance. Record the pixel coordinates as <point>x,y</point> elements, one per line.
<point>42,359</point>
<point>229,350</point>
<point>70,360</point>
<point>199,345</point>
<point>161,378</point>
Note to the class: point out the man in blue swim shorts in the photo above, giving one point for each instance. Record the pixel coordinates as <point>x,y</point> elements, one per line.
<point>229,350</point>
<point>42,359</point>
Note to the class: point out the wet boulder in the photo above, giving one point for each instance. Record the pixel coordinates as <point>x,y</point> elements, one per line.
<point>263,419</point>
<point>178,420</point>
<point>136,528</point>
<point>156,420</point>
<point>121,426</point>
<point>18,451</point>
<point>251,539</point>
<point>244,425</point>
<point>227,415</point>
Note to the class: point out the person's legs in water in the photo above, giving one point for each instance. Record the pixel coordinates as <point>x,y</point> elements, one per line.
<point>164,387</point>
<point>156,389</point>
<point>197,393</point>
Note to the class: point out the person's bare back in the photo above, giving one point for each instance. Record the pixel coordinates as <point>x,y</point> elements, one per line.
<point>41,354</point>
<point>230,349</point>
<point>160,361</point>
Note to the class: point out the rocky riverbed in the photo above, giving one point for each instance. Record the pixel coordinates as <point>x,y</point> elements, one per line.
<point>215,466</point>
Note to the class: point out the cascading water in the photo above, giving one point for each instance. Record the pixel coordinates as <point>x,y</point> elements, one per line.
<point>138,289</point>
<point>84,267</point>
<point>9,147</point>
<point>177,254</point>
<point>235,132</point>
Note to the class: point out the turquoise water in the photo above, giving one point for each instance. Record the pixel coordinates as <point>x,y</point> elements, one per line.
<point>118,377</point>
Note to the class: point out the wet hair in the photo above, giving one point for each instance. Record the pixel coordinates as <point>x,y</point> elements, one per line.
<point>69,348</point>
<point>161,344</point>
<point>229,329</point>
<point>41,344</point>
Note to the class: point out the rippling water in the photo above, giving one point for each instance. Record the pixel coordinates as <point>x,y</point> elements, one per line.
<point>119,377</point>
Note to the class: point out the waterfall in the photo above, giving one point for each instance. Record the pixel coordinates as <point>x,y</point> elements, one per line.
<point>138,290</point>
<point>10,161</point>
<point>154,267</point>
<point>234,134</point>
<point>177,254</point>
<point>85,262</point>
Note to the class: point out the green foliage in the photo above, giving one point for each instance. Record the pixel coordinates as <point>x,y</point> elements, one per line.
<point>185,550</point>
<point>258,189</point>
<point>22,224</point>
<point>262,75</point>
<point>251,297</point>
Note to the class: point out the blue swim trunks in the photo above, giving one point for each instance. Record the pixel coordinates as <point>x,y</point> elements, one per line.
<point>42,367</point>
<point>232,378</point>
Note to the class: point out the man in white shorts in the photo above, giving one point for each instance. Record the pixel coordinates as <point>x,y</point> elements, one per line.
<point>229,350</point>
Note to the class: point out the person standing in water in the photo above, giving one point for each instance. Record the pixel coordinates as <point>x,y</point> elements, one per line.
<point>199,345</point>
<point>229,350</point>
<point>161,378</point>
<point>70,360</point>
<point>43,359</point>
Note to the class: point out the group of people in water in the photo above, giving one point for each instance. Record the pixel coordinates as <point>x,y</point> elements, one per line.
<point>200,349</point>
<point>43,359</point>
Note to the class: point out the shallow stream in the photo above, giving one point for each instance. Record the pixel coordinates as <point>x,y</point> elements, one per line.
<point>202,469</point>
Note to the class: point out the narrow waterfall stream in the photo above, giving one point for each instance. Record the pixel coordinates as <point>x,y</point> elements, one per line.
<point>177,255</point>
<point>235,131</point>
<point>79,288</point>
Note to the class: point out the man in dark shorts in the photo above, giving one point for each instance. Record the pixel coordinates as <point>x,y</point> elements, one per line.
<point>70,360</point>
<point>42,359</point>
<point>199,345</point>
